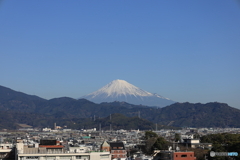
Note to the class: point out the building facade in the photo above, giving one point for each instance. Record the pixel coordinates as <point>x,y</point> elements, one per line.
<point>118,150</point>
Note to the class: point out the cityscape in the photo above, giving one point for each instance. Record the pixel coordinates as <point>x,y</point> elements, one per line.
<point>58,143</point>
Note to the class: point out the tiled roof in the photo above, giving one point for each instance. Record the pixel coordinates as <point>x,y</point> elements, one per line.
<point>117,144</point>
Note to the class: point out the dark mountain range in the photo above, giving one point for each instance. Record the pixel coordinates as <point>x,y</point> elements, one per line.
<point>212,114</point>
<point>17,107</point>
<point>13,100</point>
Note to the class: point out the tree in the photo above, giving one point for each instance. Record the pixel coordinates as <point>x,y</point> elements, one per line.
<point>153,141</point>
<point>150,134</point>
<point>223,142</point>
<point>150,138</point>
<point>161,144</point>
<point>149,145</point>
<point>177,137</point>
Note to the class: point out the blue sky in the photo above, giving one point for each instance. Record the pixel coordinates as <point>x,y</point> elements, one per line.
<point>188,51</point>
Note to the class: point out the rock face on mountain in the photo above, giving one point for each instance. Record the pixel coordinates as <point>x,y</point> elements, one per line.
<point>120,90</point>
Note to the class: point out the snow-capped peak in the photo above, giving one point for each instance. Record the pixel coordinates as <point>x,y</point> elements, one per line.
<point>121,87</point>
<point>120,90</point>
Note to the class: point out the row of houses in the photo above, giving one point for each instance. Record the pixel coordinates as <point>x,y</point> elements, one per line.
<point>54,150</point>
<point>92,145</point>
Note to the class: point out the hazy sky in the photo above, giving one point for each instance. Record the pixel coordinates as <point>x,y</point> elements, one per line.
<point>185,50</point>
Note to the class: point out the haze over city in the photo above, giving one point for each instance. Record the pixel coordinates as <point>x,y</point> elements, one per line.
<point>187,51</point>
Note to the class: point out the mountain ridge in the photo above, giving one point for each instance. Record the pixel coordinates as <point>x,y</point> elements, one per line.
<point>23,108</point>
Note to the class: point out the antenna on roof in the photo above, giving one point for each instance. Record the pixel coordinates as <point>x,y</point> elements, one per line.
<point>177,148</point>
<point>169,148</point>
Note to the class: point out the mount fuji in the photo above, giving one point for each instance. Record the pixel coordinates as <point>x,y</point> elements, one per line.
<point>121,90</point>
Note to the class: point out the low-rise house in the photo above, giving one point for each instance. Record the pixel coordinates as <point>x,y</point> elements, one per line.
<point>105,146</point>
<point>195,143</point>
<point>118,150</point>
<point>174,155</point>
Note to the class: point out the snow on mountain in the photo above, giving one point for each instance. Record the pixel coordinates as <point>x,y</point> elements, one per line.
<point>120,90</point>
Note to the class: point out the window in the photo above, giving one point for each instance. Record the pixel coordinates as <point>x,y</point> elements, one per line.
<point>183,155</point>
<point>104,156</point>
<point>82,157</point>
<point>32,157</point>
<point>66,157</point>
<point>50,158</point>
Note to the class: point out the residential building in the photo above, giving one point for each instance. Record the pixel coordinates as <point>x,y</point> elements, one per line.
<point>175,155</point>
<point>118,150</point>
<point>195,143</point>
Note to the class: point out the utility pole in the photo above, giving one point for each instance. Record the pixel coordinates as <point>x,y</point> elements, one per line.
<point>100,129</point>
<point>110,122</point>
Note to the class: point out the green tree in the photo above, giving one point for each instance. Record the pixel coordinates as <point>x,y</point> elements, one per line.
<point>150,134</point>
<point>153,141</point>
<point>150,138</point>
<point>177,137</point>
<point>161,144</point>
<point>223,142</point>
<point>149,145</point>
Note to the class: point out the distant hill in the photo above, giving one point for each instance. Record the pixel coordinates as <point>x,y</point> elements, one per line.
<point>119,121</point>
<point>18,101</point>
<point>212,114</point>
<point>17,107</point>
